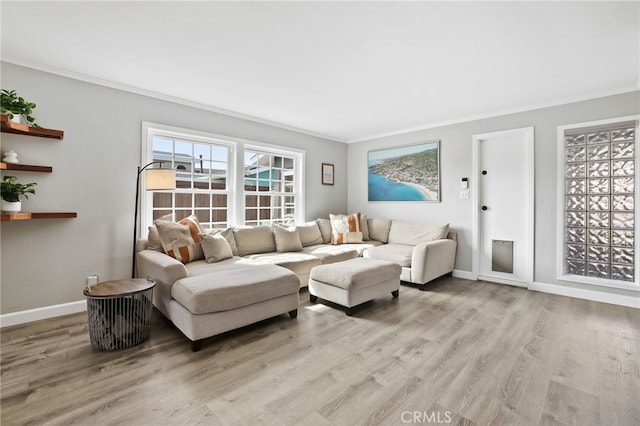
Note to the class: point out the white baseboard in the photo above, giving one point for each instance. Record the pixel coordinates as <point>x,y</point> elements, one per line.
<point>46,312</point>
<point>465,275</point>
<point>579,293</point>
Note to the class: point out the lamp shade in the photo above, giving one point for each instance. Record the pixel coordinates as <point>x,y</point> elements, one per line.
<point>157,179</point>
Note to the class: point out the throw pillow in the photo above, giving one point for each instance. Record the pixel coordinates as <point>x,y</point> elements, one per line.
<point>364,227</point>
<point>287,239</point>
<point>181,240</point>
<point>345,228</point>
<point>153,239</point>
<point>215,247</point>
<point>227,233</point>
<point>309,234</point>
<point>325,229</point>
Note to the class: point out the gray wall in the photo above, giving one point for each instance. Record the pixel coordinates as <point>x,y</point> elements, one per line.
<point>46,262</point>
<point>456,163</point>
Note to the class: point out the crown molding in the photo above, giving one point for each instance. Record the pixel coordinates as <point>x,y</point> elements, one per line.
<point>156,95</point>
<point>532,107</point>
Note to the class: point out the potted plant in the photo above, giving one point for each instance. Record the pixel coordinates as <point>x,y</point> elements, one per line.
<point>16,108</point>
<point>11,190</point>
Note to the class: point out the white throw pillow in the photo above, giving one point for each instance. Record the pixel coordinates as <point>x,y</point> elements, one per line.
<point>215,247</point>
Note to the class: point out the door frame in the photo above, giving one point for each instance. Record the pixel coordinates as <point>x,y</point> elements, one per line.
<point>527,133</point>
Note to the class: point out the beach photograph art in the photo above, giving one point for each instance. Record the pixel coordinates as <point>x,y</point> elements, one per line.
<point>406,173</point>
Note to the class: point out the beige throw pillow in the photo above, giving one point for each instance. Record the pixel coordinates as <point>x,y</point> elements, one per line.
<point>153,239</point>
<point>215,247</point>
<point>325,229</point>
<point>181,240</point>
<point>309,234</point>
<point>287,239</point>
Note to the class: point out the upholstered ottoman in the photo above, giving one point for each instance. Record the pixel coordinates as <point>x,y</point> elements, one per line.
<point>353,282</point>
<point>231,297</point>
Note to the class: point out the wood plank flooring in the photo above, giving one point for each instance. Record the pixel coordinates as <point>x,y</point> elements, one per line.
<point>464,352</point>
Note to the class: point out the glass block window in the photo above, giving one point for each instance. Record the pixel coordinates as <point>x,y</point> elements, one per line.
<point>269,188</point>
<point>202,173</point>
<point>599,202</point>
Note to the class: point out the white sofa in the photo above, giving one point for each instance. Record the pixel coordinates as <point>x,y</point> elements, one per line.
<point>424,252</point>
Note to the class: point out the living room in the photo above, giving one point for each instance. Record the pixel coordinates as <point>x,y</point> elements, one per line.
<point>46,263</point>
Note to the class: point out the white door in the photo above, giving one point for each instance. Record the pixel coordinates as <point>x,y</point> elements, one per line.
<point>504,209</point>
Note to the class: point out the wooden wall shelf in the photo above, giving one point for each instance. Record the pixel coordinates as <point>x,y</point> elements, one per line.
<point>7,126</point>
<point>25,167</point>
<point>9,217</point>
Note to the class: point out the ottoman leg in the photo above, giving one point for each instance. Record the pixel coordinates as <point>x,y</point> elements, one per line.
<point>312,298</point>
<point>293,313</point>
<point>196,345</point>
<point>395,293</point>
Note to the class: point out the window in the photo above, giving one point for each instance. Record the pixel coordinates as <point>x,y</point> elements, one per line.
<point>269,188</point>
<point>263,189</point>
<point>202,173</point>
<point>598,203</point>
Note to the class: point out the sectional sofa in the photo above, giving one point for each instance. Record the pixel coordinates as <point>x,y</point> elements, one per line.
<point>266,266</point>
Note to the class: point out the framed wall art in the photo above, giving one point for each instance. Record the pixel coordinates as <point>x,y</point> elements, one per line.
<point>405,173</point>
<point>327,174</point>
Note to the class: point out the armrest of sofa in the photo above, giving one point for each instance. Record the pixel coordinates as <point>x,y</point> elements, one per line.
<point>160,266</point>
<point>432,259</point>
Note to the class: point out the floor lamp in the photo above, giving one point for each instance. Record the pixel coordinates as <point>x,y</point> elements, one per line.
<point>155,180</point>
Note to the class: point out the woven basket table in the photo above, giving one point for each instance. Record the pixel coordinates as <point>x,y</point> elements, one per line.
<point>119,313</point>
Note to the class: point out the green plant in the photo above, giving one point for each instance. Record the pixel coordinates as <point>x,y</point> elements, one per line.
<point>12,104</point>
<point>11,190</point>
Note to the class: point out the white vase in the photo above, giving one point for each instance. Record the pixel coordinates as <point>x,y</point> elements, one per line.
<point>17,118</point>
<point>11,206</point>
<point>10,157</point>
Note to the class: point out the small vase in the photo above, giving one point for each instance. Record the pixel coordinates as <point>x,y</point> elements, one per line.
<point>17,118</point>
<point>10,157</point>
<point>11,206</point>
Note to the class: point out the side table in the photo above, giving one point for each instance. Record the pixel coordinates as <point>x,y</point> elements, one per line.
<point>119,313</point>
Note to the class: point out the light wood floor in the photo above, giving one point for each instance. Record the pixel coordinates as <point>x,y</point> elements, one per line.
<point>468,352</point>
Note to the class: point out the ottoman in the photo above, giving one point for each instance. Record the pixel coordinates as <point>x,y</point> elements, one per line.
<point>233,296</point>
<point>353,282</point>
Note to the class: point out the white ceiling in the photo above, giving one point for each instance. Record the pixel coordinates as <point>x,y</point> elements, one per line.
<point>346,70</point>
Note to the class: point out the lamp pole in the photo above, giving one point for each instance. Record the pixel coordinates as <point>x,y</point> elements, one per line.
<point>135,217</point>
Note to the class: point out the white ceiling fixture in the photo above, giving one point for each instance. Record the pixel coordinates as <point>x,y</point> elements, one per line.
<point>349,71</point>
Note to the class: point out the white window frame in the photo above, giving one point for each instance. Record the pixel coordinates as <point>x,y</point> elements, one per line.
<point>560,227</point>
<point>235,182</point>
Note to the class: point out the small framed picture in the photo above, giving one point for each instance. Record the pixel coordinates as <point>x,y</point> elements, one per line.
<point>327,174</point>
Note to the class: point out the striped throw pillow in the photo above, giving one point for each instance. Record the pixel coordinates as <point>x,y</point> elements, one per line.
<point>181,240</point>
<point>345,229</point>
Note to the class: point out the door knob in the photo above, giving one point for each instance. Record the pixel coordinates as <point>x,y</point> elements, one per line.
<point>484,172</point>
<point>484,207</point>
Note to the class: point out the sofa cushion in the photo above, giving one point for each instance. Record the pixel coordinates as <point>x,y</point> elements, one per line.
<point>345,228</point>
<point>257,239</point>
<point>379,229</point>
<point>396,253</point>
<point>287,239</point>
<point>331,254</point>
<point>215,247</point>
<point>233,286</point>
<point>325,229</point>
<point>310,234</point>
<point>415,233</point>
<point>356,273</point>
<point>300,263</point>
<point>181,240</point>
